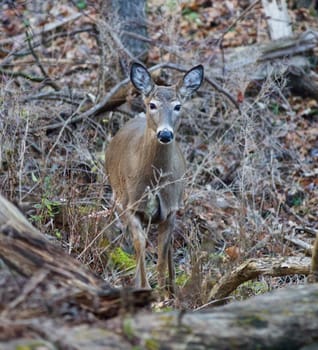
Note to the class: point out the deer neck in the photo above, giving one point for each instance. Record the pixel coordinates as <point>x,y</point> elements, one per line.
<point>156,156</point>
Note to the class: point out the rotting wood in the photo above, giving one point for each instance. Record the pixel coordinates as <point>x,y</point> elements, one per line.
<point>281,320</point>
<point>284,319</point>
<point>29,253</point>
<point>289,52</point>
<point>253,268</point>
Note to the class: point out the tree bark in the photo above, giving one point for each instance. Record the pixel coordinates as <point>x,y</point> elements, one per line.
<point>120,27</point>
<point>132,20</point>
<point>286,319</point>
<point>279,22</point>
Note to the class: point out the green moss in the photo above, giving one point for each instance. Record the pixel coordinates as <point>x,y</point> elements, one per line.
<point>162,309</point>
<point>103,243</point>
<point>24,114</point>
<point>128,328</point>
<point>191,16</point>
<point>250,288</point>
<point>84,210</point>
<point>33,345</point>
<point>152,344</point>
<point>122,260</point>
<point>252,321</point>
<point>81,4</point>
<point>182,279</point>
<point>167,319</point>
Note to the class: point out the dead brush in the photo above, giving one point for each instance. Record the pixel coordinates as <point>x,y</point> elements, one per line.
<point>235,179</point>
<point>16,145</point>
<point>56,184</point>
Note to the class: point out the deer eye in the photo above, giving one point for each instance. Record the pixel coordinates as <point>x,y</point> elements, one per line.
<point>152,106</point>
<point>177,107</point>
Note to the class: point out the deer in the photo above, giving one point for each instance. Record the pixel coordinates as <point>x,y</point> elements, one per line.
<point>146,169</point>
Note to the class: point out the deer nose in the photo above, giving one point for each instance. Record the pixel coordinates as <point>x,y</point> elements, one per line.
<point>165,136</point>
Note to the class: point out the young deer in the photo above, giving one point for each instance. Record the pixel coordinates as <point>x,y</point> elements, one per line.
<point>145,167</point>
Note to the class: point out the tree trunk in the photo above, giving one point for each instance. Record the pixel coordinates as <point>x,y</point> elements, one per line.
<point>121,26</point>
<point>132,20</point>
<point>279,22</point>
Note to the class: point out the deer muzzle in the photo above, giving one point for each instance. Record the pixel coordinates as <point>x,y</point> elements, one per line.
<point>165,136</point>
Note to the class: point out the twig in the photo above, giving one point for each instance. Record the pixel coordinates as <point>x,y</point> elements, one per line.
<point>21,52</point>
<point>307,229</point>
<point>21,74</point>
<point>153,42</point>
<point>73,99</point>
<point>54,62</point>
<point>65,124</point>
<point>92,111</point>
<point>286,208</point>
<point>213,302</point>
<point>46,78</point>
<point>41,30</point>
<point>299,242</point>
<point>19,39</point>
<point>233,24</point>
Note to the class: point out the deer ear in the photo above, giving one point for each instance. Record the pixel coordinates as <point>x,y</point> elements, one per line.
<point>141,79</point>
<point>192,80</point>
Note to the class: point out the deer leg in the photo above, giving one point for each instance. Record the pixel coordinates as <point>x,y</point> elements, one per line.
<point>139,239</point>
<point>165,258</point>
<point>172,272</point>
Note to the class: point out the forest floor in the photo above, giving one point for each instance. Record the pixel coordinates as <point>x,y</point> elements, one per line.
<point>252,179</point>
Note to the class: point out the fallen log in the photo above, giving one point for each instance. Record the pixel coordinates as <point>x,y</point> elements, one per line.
<point>284,319</point>
<point>253,268</point>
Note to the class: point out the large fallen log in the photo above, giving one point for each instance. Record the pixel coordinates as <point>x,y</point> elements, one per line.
<point>285,319</point>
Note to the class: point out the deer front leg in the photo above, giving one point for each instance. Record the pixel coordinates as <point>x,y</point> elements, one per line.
<point>139,239</point>
<point>165,256</point>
